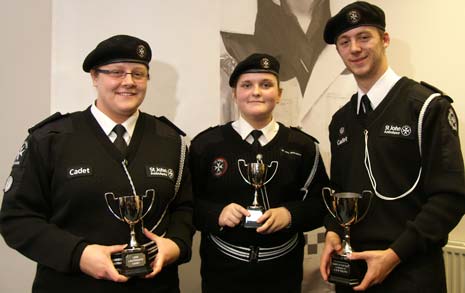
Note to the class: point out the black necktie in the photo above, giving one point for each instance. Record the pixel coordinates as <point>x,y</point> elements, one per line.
<point>256,134</point>
<point>119,142</point>
<point>365,101</point>
<point>366,104</point>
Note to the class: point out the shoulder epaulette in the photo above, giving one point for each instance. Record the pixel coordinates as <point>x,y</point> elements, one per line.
<point>431,87</point>
<point>436,90</point>
<point>47,120</point>
<point>205,131</point>
<point>167,121</point>
<point>299,129</point>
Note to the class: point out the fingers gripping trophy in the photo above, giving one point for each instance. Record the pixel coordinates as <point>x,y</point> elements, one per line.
<point>134,259</point>
<point>348,208</point>
<point>255,175</point>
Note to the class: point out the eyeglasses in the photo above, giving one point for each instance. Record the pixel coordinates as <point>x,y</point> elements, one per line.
<point>120,74</point>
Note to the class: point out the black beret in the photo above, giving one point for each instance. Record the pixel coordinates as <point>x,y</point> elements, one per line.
<point>257,63</point>
<point>356,14</point>
<point>120,48</point>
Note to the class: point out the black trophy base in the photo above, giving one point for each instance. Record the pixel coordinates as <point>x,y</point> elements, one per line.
<point>346,272</point>
<point>135,262</point>
<point>255,213</point>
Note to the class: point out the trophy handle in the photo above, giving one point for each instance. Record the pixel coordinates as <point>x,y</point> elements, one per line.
<point>107,194</point>
<point>240,170</point>
<point>152,193</point>
<point>329,191</point>
<point>370,194</point>
<point>274,172</point>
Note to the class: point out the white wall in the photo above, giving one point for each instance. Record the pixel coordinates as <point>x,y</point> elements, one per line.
<point>25,27</point>
<point>185,65</point>
<point>46,41</point>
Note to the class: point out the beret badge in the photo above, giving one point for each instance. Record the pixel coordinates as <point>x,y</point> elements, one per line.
<point>353,16</point>
<point>141,51</point>
<point>265,63</point>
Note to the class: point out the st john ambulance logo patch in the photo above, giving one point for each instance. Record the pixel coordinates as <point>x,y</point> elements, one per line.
<point>397,130</point>
<point>452,118</point>
<point>21,153</point>
<point>159,171</point>
<point>219,167</point>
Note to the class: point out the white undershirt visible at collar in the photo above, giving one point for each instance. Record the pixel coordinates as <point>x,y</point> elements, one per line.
<point>107,124</point>
<point>380,89</point>
<point>243,128</point>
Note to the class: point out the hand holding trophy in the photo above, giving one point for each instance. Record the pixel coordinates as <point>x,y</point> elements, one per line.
<point>256,176</point>
<point>347,208</point>
<point>134,259</point>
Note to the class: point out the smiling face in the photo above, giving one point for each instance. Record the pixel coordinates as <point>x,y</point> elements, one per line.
<point>363,50</point>
<point>256,95</point>
<point>119,98</point>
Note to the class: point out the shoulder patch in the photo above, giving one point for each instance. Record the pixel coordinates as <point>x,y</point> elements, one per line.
<point>453,121</point>
<point>47,120</point>
<point>22,153</point>
<point>171,124</point>
<point>299,129</point>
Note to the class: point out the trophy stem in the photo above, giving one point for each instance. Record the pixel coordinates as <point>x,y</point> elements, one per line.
<point>255,198</point>
<point>133,242</point>
<point>346,247</point>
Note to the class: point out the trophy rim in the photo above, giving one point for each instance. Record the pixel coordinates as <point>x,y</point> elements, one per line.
<point>347,195</point>
<point>132,195</point>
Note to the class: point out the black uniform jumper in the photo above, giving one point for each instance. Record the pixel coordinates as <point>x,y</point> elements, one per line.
<point>416,226</point>
<point>56,205</point>
<point>217,183</point>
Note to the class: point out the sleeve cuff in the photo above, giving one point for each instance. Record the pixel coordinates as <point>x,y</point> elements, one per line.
<point>408,244</point>
<point>76,258</point>
<point>185,252</point>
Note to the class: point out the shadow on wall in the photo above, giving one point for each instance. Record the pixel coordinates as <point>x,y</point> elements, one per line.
<point>161,100</point>
<point>161,97</point>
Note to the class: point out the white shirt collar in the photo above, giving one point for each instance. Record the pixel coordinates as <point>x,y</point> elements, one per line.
<point>107,124</point>
<point>243,128</point>
<point>380,89</point>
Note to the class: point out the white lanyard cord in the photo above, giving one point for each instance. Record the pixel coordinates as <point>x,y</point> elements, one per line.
<point>182,156</point>
<point>312,172</point>
<point>124,163</point>
<point>367,154</point>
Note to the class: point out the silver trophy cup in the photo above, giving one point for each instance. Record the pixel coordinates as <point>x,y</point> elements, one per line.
<point>256,174</point>
<point>348,208</point>
<point>131,210</point>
